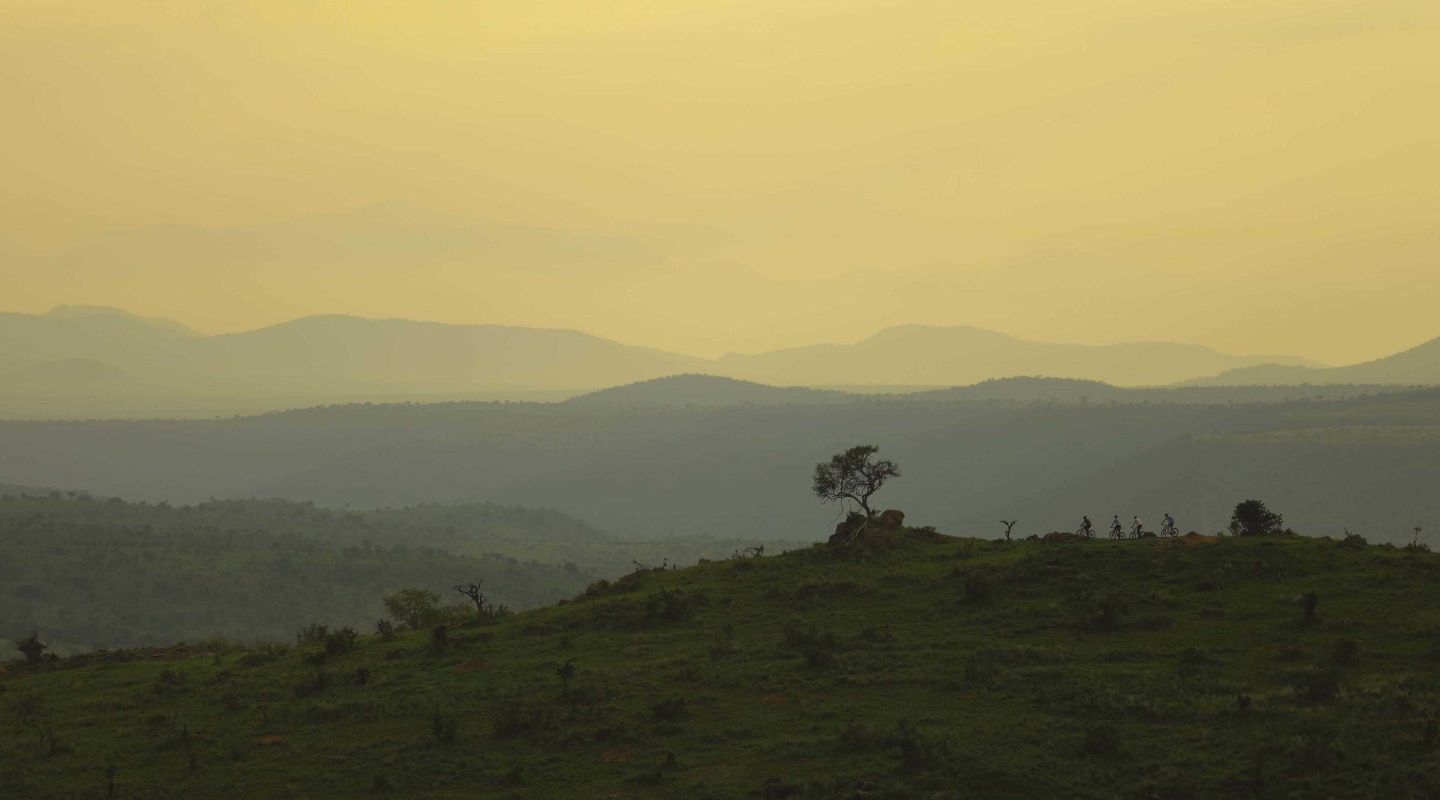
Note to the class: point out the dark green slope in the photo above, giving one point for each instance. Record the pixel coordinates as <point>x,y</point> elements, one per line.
<point>931,667</point>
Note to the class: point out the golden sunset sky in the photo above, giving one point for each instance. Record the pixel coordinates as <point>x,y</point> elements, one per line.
<point>713,175</point>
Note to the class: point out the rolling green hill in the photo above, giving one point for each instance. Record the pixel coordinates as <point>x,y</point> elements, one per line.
<point>91,572</point>
<point>916,666</point>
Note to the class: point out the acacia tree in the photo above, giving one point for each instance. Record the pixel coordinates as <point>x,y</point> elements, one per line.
<point>853,475</point>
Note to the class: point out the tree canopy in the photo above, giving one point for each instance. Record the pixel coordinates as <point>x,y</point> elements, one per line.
<point>853,475</point>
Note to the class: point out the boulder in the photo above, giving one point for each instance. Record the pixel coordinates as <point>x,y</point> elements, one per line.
<point>891,519</point>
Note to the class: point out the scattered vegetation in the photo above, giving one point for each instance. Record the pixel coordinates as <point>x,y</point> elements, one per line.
<point>811,674</point>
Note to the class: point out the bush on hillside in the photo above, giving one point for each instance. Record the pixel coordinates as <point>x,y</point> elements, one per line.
<point>414,608</point>
<point>1254,518</point>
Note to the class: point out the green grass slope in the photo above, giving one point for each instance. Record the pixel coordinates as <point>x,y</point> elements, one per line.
<point>925,667</point>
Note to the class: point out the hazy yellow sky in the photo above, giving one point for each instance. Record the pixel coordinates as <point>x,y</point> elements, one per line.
<point>712,175</point>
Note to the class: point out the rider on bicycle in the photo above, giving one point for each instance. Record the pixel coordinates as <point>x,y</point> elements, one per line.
<point>1169,523</point>
<point>1137,527</point>
<point>1115,527</point>
<point>1086,529</point>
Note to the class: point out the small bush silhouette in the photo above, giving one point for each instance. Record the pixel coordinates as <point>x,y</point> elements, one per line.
<point>314,633</point>
<point>1254,518</point>
<point>32,648</point>
<point>414,608</point>
<point>386,629</point>
<point>341,641</point>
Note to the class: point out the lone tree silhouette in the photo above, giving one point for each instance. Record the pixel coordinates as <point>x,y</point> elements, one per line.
<point>854,475</point>
<point>1252,518</point>
<point>472,591</point>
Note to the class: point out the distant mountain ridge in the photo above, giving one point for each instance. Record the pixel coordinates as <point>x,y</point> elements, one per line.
<point>922,354</point>
<point>49,362</point>
<point>696,389</point>
<point>1420,365</point>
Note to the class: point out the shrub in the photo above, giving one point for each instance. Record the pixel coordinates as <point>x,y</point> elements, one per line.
<point>1253,518</point>
<point>669,605</point>
<point>341,641</point>
<point>314,633</point>
<point>414,608</point>
<point>439,638</point>
<point>386,629</point>
<point>32,648</point>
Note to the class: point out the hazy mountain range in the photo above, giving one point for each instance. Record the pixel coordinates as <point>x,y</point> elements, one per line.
<point>1418,365</point>
<point>104,361</point>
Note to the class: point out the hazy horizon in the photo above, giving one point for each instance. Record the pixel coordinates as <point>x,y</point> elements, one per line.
<point>729,175</point>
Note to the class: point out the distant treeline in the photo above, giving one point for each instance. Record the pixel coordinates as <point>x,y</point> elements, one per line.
<point>101,572</point>
<point>648,471</point>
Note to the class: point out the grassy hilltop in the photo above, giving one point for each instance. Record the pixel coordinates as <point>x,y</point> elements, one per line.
<point>919,666</point>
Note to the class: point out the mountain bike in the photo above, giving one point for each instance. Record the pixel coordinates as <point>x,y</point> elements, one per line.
<point>1169,529</point>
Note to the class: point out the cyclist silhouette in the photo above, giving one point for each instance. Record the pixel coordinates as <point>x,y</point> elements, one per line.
<point>1137,527</point>
<point>1115,529</point>
<point>1086,529</point>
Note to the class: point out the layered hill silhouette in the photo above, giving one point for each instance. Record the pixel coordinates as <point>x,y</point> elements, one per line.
<point>929,355</point>
<point>106,362</point>
<point>712,390</point>
<point>649,468</point>
<point>1419,365</point>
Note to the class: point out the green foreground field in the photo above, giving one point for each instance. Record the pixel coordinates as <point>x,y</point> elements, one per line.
<point>917,666</point>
